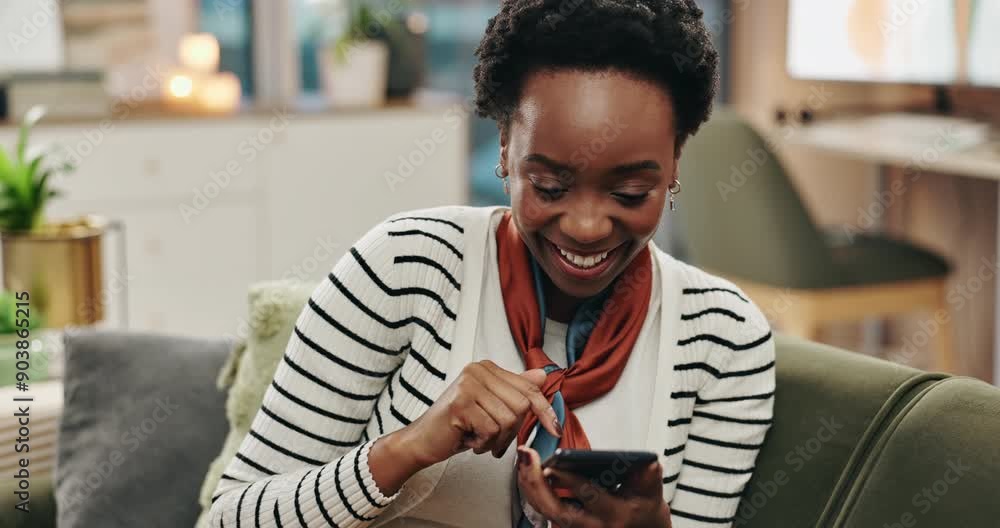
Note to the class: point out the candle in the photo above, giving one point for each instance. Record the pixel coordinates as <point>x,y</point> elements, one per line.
<point>219,93</point>
<point>180,86</point>
<point>200,52</point>
<point>179,89</point>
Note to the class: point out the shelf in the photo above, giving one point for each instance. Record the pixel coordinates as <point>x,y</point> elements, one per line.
<point>87,16</point>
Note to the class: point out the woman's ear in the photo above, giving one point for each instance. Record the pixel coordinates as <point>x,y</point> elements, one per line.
<point>504,144</point>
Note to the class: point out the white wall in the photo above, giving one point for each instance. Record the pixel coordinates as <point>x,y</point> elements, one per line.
<point>30,36</point>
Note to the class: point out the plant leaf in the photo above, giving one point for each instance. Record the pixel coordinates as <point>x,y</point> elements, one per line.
<point>39,192</point>
<point>20,184</point>
<point>33,169</point>
<point>6,169</point>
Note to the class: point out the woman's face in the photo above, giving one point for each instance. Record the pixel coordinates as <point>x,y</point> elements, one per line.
<point>590,157</point>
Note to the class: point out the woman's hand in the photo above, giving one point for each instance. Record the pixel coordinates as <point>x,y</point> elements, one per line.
<point>638,503</point>
<point>481,410</point>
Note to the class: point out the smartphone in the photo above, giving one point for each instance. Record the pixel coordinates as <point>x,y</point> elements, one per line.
<point>607,469</point>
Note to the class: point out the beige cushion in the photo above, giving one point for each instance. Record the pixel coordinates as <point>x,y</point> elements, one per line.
<point>274,308</point>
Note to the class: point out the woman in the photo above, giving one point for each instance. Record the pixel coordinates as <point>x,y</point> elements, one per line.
<point>448,335</point>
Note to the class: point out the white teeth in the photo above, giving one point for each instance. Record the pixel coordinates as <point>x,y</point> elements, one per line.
<point>584,262</point>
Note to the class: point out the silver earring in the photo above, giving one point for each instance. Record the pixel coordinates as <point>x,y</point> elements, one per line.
<point>498,171</point>
<point>675,189</point>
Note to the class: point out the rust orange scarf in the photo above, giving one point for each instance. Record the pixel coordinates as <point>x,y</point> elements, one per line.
<point>600,365</point>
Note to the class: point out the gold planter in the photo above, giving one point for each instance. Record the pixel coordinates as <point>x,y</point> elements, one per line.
<point>60,265</point>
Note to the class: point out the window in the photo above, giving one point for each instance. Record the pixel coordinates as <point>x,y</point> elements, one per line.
<point>231,22</point>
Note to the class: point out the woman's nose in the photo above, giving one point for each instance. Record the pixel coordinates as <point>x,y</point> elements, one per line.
<point>586,225</point>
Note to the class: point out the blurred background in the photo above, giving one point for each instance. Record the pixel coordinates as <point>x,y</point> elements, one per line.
<point>158,157</point>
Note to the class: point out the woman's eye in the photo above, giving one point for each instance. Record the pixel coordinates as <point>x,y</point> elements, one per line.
<point>631,199</point>
<point>549,193</point>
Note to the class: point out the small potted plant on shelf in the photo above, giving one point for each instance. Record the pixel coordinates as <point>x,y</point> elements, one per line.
<point>355,66</point>
<point>57,263</point>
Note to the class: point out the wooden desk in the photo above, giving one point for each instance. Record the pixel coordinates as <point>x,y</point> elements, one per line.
<point>855,137</point>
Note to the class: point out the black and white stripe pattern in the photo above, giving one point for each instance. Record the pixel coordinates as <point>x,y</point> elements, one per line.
<point>369,354</point>
<point>725,392</point>
<point>369,347</point>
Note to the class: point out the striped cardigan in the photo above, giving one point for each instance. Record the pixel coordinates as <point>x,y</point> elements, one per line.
<point>390,328</point>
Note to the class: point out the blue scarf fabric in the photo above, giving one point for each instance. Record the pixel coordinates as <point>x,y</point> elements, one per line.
<point>577,333</point>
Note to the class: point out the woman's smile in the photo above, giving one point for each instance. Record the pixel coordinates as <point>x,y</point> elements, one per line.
<point>585,219</point>
<point>583,266</point>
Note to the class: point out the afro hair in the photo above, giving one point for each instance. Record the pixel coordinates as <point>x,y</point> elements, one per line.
<point>662,41</point>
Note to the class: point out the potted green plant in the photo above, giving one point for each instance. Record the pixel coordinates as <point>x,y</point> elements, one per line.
<point>57,263</point>
<point>354,66</point>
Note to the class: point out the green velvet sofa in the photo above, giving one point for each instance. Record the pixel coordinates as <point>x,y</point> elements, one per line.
<point>857,442</point>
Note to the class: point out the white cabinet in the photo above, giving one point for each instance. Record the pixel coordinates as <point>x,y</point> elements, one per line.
<point>135,161</point>
<point>212,205</point>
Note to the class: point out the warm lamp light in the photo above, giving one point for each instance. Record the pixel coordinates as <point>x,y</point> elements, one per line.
<point>219,93</point>
<point>200,52</point>
<point>180,89</point>
<point>180,86</point>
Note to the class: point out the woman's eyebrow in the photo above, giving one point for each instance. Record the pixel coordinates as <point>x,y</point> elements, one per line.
<point>565,168</point>
<point>558,167</point>
<point>636,166</point>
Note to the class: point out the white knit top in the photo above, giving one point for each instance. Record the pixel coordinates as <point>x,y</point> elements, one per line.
<point>400,316</point>
<point>485,487</point>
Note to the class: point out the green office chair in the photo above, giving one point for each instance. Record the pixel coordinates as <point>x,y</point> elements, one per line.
<point>743,219</point>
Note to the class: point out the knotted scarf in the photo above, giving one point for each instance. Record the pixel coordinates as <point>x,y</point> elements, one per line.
<point>599,339</point>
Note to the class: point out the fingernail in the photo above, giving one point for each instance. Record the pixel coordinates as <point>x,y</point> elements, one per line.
<point>523,459</point>
<point>559,428</point>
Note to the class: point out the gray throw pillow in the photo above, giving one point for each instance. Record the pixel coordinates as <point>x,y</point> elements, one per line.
<point>142,421</point>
